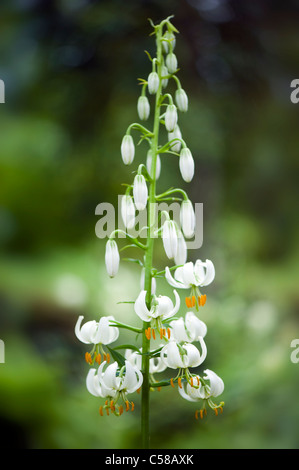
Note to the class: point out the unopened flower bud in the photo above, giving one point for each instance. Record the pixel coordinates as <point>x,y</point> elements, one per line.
<point>140,192</point>
<point>187,218</point>
<point>186,164</point>
<point>181,100</point>
<point>143,108</point>
<point>128,211</point>
<point>175,134</point>
<point>153,83</point>
<point>171,62</point>
<point>149,164</point>
<point>127,149</point>
<point>171,117</point>
<point>168,37</point>
<point>111,258</point>
<point>170,238</point>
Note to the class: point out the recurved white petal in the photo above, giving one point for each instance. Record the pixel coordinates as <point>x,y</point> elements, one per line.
<point>140,307</point>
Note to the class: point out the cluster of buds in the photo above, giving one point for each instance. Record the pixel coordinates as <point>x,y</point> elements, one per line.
<point>181,336</point>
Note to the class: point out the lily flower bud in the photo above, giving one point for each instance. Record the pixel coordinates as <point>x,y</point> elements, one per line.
<point>187,217</point>
<point>140,192</point>
<point>127,149</point>
<point>168,36</point>
<point>181,99</point>
<point>111,258</point>
<point>170,238</point>
<point>175,134</point>
<point>153,83</point>
<point>171,117</point>
<point>164,73</point>
<point>143,108</point>
<point>181,255</point>
<point>171,62</point>
<point>149,164</point>
<point>128,211</point>
<point>186,165</point>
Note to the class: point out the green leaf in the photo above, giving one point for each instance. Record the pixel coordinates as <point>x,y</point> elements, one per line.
<point>117,357</point>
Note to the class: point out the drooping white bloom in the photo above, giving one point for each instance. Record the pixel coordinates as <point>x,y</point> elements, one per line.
<point>140,192</point>
<point>200,274</point>
<point>171,62</point>
<point>177,356</point>
<point>168,38</point>
<point>112,258</point>
<point>175,134</point>
<point>170,238</point>
<point>161,307</point>
<point>171,117</point>
<point>181,100</point>
<point>149,164</point>
<point>127,149</point>
<point>164,73</point>
<point>95,388</point>
<point>143,108</point>
<point>186,164</point>
<point>156,364</point>
<point>153,83</point>
<point>212,389</point>
<point>128,211</point>
<point>187,330</point>
<point>187,218</point>
<point>93,332</point>
<point>181,254</point>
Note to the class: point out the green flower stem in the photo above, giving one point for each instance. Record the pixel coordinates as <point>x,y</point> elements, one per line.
<point>149,253</point>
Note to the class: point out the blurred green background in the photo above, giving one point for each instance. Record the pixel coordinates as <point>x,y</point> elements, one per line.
<point>70,69</point>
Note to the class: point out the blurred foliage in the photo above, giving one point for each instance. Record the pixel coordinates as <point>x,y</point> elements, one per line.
<point>70,69</point>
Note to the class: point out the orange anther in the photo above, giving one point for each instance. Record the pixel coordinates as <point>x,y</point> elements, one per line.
<point>121,410</point>
<point>201,414</point>
<point>159,389</point>
<point>216,411</point>
<point>127,405</point>
<point>168,333</point>
<point>153,333</point>
<point>221,409</point>
<point>205,412</point>
<point>199,301</point>
<point>164,332</point>
<point>112,407</point>
<point>133,406</point>
<point>148,333</point>
<point>101,410</point>
<point>193,301</point>
<point>107,411</point>
<point>99,358</point>
<point>196,414</point>
<point>88,358</point>
<point>180,382</point>
<point>171,382</point>
<point>203,299</point>
<point>191,381</point>
<point>138,390</point>
<point>104,356</point>
<point>106,402</point>
<point>161,333</point>
<point>198,381</point>
<point>108,358</point>
<point>188,302</point>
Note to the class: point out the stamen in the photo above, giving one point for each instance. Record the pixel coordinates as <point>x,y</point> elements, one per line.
<point>112,407</point>
<point>201,414</point>
<point>99,358</point>
<point>127,405</point>
<point>199,301</point>
<point>106,402</point>
<point>107,411</point>
<point>153,333</point>
<point>138,390</point>
<point>216,411</point>
<point>188,302</point>
<point>221,409</point>
<point>196,414</point>
<point>101,410</point>
<point>161,333</point>
<point>164,332</point>
<point>108,357</point>
<point>121,410</point>
<point>191,381</point>
<point>193,301</point>
<point>88,358</point>
<point>180,382</point>
<point>168,333</point>
<point>203,299</point>
<point>133,406</point>
<point>159,389</point>
<point>171,382</point>
<point>205,412</point>
<point>104,356</point>
<point>198,381</point>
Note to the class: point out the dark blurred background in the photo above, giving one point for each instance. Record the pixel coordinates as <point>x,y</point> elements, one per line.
<point>70,69</point>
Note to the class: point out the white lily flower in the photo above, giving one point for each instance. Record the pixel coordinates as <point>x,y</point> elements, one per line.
<point>192,275</point>
<point>143,108</point>
<point>187,218</point>
<point>175,134</point>
<point>161,307</point>
<point>127,149</point>
<point>149,164</point>
<point>186,164</point>
<point>153,83</point>
<point>171,62</point>
<point>140,192</point>
<point>95,388</point>
<point>156,364</point>
<point>170,238</point>
<point>181,99</point>
<point>93,332</point>
<point>181,254</point>
<point>112,258</point>
<point>128,211</point>
<point>124,380</point>
<point>187,330</point>
<point>204,391</point>
<point>171,117</point>
<point>177,356</point>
